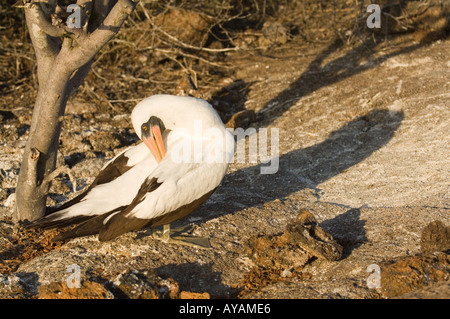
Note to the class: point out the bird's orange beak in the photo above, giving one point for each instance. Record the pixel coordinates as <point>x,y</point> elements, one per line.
<point>152,137</point>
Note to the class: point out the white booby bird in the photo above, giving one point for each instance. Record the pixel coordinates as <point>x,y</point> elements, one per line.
<point>190,150</point>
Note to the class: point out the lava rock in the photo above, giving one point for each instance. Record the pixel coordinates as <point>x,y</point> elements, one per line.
<point>305,232</point>
<point>292,249</point>
<point>409,273</point>
<point>88,290</point>
<point>435,237</point>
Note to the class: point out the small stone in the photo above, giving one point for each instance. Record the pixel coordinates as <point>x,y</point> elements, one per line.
<point>194,295</point>
<point>274,33</point>
<point>138,285</point>
<point>169,289</point>
<point>286,273</point>
<point>305,217</point>
<point>187,26</point>
<point>435,237</point>
<point>10,201</point>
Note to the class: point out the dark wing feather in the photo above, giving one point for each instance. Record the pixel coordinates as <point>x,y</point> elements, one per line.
<point>52,221</point>
<point>113,170</point>
<point>119,224</point>
<point>89,227</point>
<point>95,225</point>
<point>180,212</point>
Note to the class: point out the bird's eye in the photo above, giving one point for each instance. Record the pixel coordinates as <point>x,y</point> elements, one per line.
<point>144,128</point>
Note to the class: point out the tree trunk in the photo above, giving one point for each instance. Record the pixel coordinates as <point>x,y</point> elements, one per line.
<point>39,157</point>
<point>64,57</point>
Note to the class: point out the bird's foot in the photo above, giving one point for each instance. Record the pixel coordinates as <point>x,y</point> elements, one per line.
<point>181,236</point>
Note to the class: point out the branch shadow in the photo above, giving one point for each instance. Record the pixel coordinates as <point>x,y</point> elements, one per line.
<point>304,168</point>
<point>348,230</point>
<point>319,75</point>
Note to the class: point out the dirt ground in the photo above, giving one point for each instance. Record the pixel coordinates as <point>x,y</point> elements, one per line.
<point>363,146</point>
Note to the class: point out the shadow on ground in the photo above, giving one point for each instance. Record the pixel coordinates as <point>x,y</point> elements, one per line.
<point>311,166</point>
<point>317,75</point>
<point>348,230</point>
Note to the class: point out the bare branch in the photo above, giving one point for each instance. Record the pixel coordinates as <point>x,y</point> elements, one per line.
<point>46,48</point>
<point>58,30</point>
<point>88,47</point>
<point>46,26</point>
<point>86,9</point>
<point>79,75</point>
<point>100,10</point>
<point>48,179</point>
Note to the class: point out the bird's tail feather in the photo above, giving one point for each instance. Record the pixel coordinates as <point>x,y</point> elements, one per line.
<point>89,227</point>
<point>87,224</point>
<point>57,220</point>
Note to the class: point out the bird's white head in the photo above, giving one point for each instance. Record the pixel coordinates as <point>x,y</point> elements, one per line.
<point>170,112</point>
<point>174,112</point>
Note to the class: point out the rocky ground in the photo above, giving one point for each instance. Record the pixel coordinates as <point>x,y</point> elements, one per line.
<point>363,175</point>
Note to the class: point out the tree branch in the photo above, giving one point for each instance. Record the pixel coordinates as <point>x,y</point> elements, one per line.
<point>88,47</point>
<point>54,30</point>
<point>46,48</point>
<point>79,75</point>
<point>48,179</point>
<point>45,25</point>
<point>86,9</point>
<point>112,23</point>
